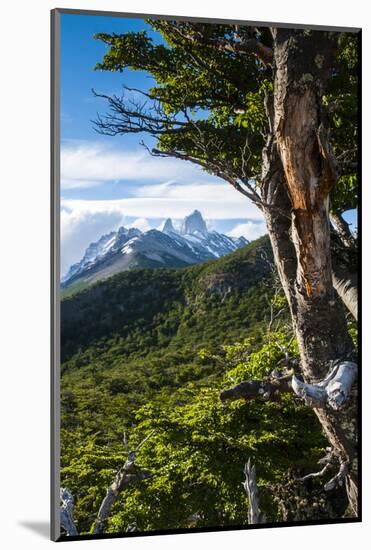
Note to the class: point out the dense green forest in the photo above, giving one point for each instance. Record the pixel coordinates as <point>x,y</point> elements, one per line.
<point>147,353</point>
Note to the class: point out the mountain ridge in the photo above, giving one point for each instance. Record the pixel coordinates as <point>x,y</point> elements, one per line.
<point>188,299</point>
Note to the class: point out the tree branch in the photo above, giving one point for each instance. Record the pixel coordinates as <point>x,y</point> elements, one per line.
<point>238,45</point>
<point>268,389</point>
<point>128,116</point>
<point>347,290</point>
<point>321,473</point>
<point>338,479</point>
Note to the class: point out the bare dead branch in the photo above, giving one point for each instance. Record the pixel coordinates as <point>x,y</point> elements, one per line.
<point>321,473</point>
<point>255,516</point>
<point>129,474</point>
<point>66,513</point>
<point>125,476</point>
<point>339,479</point>
<point>333,391</point>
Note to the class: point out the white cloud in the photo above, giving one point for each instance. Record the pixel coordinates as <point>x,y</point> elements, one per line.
<point>233,206</point>
<point>249,230</point>
<point>211,191</point>
<point>82,226</point>
<point>89,164</point>
<point>140,223</point>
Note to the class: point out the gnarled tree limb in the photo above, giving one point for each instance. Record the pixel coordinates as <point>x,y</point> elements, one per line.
<point>333,391</point>
<point>268,389</point>
<point>339,478</point>
<point>348,292</point>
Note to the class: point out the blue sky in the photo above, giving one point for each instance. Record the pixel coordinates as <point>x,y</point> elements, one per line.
<point>111,181</point>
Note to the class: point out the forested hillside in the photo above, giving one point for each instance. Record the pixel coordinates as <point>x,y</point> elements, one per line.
<point>147,353</point>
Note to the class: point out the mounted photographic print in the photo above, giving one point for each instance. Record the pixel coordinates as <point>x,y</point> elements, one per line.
<point>205,223</point>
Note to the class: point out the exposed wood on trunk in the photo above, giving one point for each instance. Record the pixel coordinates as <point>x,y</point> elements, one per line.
<point>309,167</point>
<point>255,515</point>
<point>278,215</point>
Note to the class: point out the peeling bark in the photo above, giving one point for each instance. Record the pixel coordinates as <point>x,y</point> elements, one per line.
<point>309,167</point>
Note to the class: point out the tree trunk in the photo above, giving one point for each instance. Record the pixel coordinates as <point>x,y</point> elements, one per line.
<point>346,287</point>
<point>299,225</point>
<point>342,229</point>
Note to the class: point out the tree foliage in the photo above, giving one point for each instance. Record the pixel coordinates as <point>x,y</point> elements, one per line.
<point>209,100</point>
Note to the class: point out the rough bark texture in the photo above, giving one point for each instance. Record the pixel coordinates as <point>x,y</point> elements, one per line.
<point>304,258</point>
<point>347,291</point>
<point>346,285</point>
<point>342,229</point>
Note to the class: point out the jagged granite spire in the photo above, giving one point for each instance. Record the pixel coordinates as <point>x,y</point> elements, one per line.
<point>168,226</point>
<point>194,223</point>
